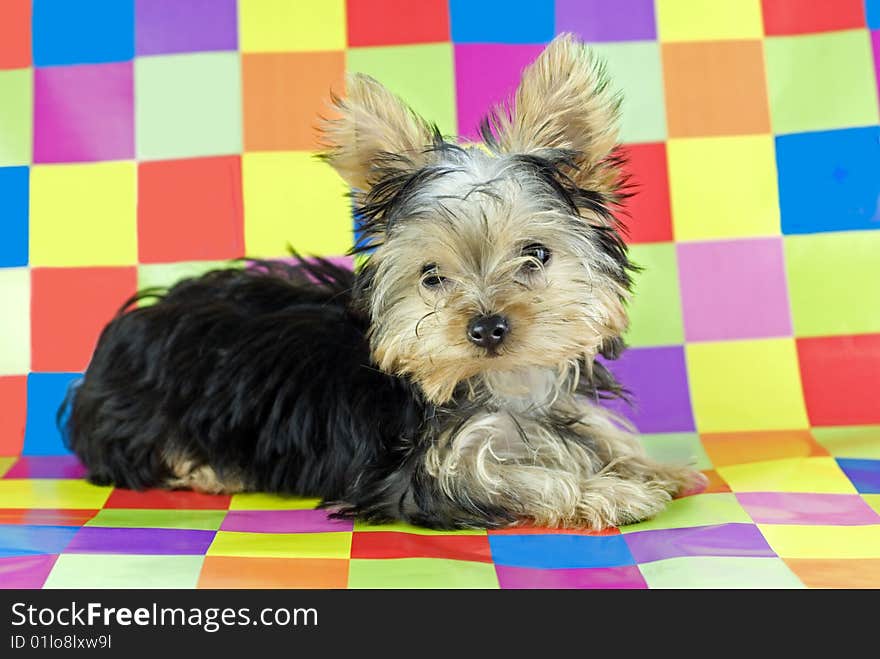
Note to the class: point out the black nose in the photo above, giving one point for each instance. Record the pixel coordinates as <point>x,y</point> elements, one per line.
<point>488,331</point>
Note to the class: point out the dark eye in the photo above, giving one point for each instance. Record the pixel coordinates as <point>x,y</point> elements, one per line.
<point>430,277</point>
<point>538,252</point>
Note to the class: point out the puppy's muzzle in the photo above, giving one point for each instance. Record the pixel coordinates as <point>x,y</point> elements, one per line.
<point>488,331</point>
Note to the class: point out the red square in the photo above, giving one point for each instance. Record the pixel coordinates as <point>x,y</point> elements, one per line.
<point>190,210</point>
<point>13,413</point>
<point>163,499</point>
<point>799,17</point>
<point>392,22</point>
<point>841,378</point>
<point>69,308</point>
<point>648,217</point>
<point>391,544</point>
<point>15,34</point>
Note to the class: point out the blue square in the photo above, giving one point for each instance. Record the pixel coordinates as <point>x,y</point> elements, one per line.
<point>82,31</point>
<point>45,393</point>
<point>863,474</point>
<point>24,540</point>
<point>14,211</point>
<point>872,10</point>
<point>560,551</point>
<point>502,21</point>
<point>829,181</point>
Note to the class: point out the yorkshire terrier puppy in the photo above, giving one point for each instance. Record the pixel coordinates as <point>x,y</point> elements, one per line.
<point>451,382</point>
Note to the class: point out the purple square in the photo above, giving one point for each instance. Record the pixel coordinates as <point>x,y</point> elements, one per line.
<point>607,20</point>
<point>485,75</point>
<point>180,26</point>
<point>25,571</point>
<point>619,577</point>
<point>47,466</point>
<point>104,540</point>
<point>283,521</point>
<point>864,474</point>
<point>721,540</point>
<point>84,113</point>
<point>734,289</point>
<point>657,380</point>
<point>807,508</point>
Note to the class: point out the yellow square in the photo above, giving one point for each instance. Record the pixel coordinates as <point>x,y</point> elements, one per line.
<point>723,187</point>
<point>291,25</point>
<point>873,500</point>
<point>15,328</point>
<point>820,475</point>
<point>51,493</point>
<point>294,198</point>
<point>83,215</point>
<point>796,541</point>
<point>281,545</point>
<point>746,385</point>
<point>709,20</point>
<point>260,501</point>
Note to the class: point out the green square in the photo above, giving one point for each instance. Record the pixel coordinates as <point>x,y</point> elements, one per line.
<point>820,81</point>
<point>655,309</point>
<point>124,571</point>
<point>832,282</point>
<point>862,442</point>
<point>165,275</point>
<point>188,105</point>
<point>696,510</point>
<point>420,573</point>
<point>421,75</point>
<point>16,106</point>
<point>15,328</point>
<point>202,520</point>
<point>677,448</point>
<point>634,69</point>
<point>719,572</point>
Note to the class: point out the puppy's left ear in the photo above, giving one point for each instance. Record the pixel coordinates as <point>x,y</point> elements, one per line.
<point>563,102</point>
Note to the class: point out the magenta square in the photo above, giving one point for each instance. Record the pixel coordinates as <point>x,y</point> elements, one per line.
<point>720,540</point>
<point>107,540</point>
<point>619,577</point>
<point>657,381</point>
<point>47,466</point>
<point>25,571</point>
<point>607,20</point>
<point>283,521</point>
<point>807,508</point>
<point>734,289</point>
<point>84,113</point>
<point>485,75</point>
<point>179,26</point>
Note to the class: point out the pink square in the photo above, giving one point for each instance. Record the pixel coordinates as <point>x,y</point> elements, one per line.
<point>84,113</point>
<point>485,75</point>
<point>733,289</point>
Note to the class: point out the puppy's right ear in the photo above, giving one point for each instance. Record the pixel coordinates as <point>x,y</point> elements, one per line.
<point>375,130</point>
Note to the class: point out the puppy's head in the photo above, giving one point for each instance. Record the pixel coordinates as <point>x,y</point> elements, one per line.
<point>495,257</point>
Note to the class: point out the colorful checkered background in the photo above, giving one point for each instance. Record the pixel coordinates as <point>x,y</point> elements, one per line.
<point>144,140</point>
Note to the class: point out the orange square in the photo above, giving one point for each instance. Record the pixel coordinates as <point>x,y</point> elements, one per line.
<point>190,210</point>
<point>716,482</point>
<point>837,573</point>
<point>732,448</point>
<point>715,88</point>
<point>15,34</point>
<point>237,572</point>
<point>284,96</point>
<point>69,308</point>
<point>13,403</point>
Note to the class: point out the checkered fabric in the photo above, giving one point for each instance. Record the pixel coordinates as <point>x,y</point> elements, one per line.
<point>141,141</point>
